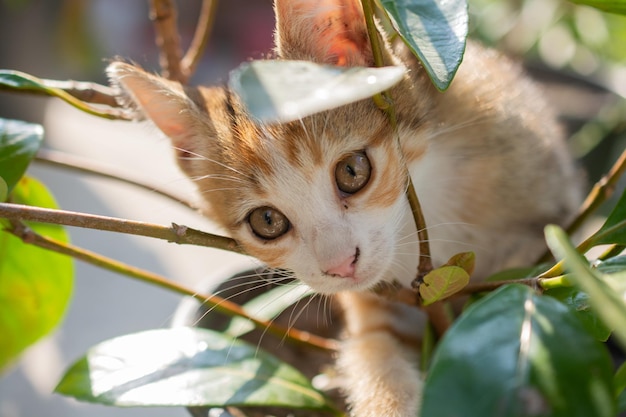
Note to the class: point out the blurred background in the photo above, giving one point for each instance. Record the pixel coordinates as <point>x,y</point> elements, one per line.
<point>577,52</point>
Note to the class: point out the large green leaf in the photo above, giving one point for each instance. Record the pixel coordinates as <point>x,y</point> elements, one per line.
<point>35,284</point>
<point>19,142</point>
<point>186,367</point>
<point>612,6</point>
<point>604,298</point>
<point>290,90</point>
<point>435,31</point>
<point>515,353</point>
<point>578,302</point>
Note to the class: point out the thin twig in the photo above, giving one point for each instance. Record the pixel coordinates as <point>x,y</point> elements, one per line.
<point>436,312</point>
<point>217,303</point>
<point>601,191</point>
<point>87,166</point>
<point>200,39</point>
<point>163,14</point>
<point>175,233</point>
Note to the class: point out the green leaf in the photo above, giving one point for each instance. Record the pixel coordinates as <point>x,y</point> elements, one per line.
<point>35,284</point>
<point>442,282</point>
<point>19,142</point>
<point>620,387</point>
<point>290,90</point>
<point>4,190</point>
<point>611,6</point>
<point>19,81</point>
<point>267,306</point>
<point>515,353</point>
<point>578,302</point>
<point>435,31</point>
<point>607,303</point>
<point>613,231</point>
<point>186,367</point>
<point>613,265</point>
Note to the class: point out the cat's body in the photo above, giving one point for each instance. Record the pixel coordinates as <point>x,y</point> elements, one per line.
<point>325,196</point>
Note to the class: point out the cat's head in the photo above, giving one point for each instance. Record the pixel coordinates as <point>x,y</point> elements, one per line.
<point>322,196</point>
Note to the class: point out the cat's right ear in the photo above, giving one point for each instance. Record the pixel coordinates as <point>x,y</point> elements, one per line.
<point>162,101</point>
<point>324,31</point>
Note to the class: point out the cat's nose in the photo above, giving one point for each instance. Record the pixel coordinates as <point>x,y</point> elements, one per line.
<point>346,268</point>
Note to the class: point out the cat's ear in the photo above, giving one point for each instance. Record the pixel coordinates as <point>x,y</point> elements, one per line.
<point>324,31</point>
<point>155,98</point>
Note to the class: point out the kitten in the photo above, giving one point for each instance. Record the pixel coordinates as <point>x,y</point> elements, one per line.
<point>325,196</point>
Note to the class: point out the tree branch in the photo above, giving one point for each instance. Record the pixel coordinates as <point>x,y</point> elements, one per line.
<point>200,39</point>
<point>85,166</point>
<point>175,233</point>
<point>163,14</point>
<point>217,303</point>
<point>601,191</point>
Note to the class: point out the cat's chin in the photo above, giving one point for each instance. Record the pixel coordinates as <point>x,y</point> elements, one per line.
<point>361,281</point>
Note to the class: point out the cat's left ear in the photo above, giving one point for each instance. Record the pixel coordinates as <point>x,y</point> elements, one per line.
<point>160,100</point>
<point>324,31</point>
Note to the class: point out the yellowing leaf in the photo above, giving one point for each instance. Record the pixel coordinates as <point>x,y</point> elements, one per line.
<point>465,260</point>
<point>443,282</point>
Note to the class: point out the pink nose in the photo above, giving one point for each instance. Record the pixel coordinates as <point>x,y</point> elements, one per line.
<point>345,269</point>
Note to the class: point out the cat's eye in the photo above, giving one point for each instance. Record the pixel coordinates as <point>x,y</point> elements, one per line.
<point>353,172</point>
<point>268,223</point>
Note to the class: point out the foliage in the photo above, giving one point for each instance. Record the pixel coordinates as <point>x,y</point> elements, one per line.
<point>533,349</point>
<point>35,284</point>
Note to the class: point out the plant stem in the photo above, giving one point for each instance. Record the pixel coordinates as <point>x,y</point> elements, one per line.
<point>436,312</point>
<point>175,233</point>
<point>200,39</point>
<point>601,191</point>
<point>86,166</point>
<point>217,303</point>
<point>163,14</point>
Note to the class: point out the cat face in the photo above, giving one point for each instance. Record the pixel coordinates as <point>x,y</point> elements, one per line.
<point>327,200</point>
<point>322,196</point>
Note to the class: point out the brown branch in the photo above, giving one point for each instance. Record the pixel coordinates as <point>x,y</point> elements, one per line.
<point>175,233</point>
<point>217,303</point>
<point>601,191</point>
<point>163,14</point>
<point>200,39</point>
<point>87,166</point>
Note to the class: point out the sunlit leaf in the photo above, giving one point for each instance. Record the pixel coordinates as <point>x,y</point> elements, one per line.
<point>514,354</point>
<point>603,298</point>
<point>435,31</point>
<point>186,367</point>
<point>289,90</point>
<point>19,142</point>
<point>442,282</point>
<point>19,81</point>
<point>267,306</point>
<point>35,284</point>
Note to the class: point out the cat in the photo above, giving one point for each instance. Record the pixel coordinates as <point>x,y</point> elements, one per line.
<point>324,196</point>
